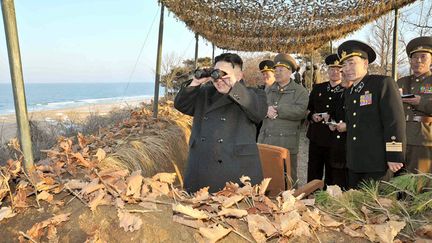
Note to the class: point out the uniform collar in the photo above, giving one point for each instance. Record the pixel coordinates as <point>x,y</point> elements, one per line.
<point>276,87</point>
<point>358,87</point>
<point>421,77</point>
<point>336,89</point>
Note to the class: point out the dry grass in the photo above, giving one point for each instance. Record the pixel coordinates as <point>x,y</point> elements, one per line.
<point>44,134</point>
<point>163,146</point>
<point>150,145</point>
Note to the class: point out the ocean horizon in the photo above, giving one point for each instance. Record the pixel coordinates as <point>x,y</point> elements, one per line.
<point>51,96</point>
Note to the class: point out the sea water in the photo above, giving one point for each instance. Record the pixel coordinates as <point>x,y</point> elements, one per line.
<point>51,96</point>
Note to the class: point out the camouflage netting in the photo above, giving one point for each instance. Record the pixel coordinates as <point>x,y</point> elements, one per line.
<point>278,25</point>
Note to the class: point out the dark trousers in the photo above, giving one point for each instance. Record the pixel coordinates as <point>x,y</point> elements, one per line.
<point>355,179</point>
<point>419,159</point>
<point>318,157</point>
<point>330,158</point>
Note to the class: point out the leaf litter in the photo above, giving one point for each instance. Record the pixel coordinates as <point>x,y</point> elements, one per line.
<point>213,215</point>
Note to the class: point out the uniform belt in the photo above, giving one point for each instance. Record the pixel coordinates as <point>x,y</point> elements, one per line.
<point>425,119</point>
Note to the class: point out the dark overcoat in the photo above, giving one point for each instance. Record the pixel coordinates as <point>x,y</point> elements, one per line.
<point>325,98</point>
<point>222,145</point>
<point>375,124</point>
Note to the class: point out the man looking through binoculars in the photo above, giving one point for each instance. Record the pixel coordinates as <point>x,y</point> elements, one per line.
<point>225,112</point>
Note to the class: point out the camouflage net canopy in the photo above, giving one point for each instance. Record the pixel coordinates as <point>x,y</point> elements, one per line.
<point>277,25</point>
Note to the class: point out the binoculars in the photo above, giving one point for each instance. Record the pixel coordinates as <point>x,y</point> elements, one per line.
<point>209,72</point>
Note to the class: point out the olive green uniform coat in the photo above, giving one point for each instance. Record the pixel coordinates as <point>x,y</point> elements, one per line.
<point>284,131</point>
<point>419,133</point>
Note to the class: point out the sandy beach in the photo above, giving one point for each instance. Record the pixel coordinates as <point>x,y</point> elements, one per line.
<point>8,127</point>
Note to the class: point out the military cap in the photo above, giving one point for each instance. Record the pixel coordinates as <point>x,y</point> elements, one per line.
<point>418,44</point>
<point>332,60</point>
<point>354,48</point>
<point>266,65</point>
<point>285,60</point>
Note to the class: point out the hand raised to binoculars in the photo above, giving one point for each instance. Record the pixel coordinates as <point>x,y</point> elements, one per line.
<point>198,82</point>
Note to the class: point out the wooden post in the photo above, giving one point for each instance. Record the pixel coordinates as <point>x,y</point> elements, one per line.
<point>213,51</point>
<point>158,63</point>
<point>9,19</point>
<point>395,45</point>
<point>196,50</point>
<point>313,70</point>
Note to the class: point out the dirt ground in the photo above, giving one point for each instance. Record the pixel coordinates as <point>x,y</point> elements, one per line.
<point>303,157</point>
<point>157,226</point>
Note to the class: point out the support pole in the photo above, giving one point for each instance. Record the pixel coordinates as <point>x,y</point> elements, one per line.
<point>196,50</point>
<point>395,44</point>
<point>331,46</point>
<point>313,70</point>
<point>213,52</point>
<point>11,31</point>
<point>158,63</point>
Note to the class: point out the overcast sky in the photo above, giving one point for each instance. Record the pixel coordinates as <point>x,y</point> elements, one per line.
<point>98,40</point>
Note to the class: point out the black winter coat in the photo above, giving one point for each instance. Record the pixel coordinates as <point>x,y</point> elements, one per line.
<point>222,145</point>
<point>375,124</point>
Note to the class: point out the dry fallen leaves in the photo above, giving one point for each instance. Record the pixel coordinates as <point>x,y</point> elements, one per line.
<point>260,227</point>
<point>384,233</point>
<point>189,211</point>
<point>6,212</point>
<point>134,182</point>
<point>37,230</point>
<point>165,177</point>
<point>232,212</point>
<point>128,221</point>
<point>214,233</point>
<point>334,190</point>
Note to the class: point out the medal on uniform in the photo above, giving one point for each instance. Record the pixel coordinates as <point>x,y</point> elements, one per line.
<point>366,99</point>
<point>426,89</point>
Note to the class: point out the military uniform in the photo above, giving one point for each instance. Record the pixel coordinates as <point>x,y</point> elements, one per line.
<point>316,75</point>
<point>308,78</point>
<point>291,101</point>
<point>326,147</point>
<point>264,66</point>
<point>419,117</point>
<point>374,120</point>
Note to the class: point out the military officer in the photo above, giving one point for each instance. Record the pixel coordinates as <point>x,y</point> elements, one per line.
<point>267,72</point>
<point>418,109</point>
<point>327,147</point>
<point>375,122</point>
<point>316,74</point>
<point>308,78</point>
<point>287,103</point>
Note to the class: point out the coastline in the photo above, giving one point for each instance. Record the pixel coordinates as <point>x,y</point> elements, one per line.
<point>8,126</point>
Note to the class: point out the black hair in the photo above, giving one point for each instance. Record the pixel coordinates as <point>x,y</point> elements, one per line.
<point>232,58</point>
